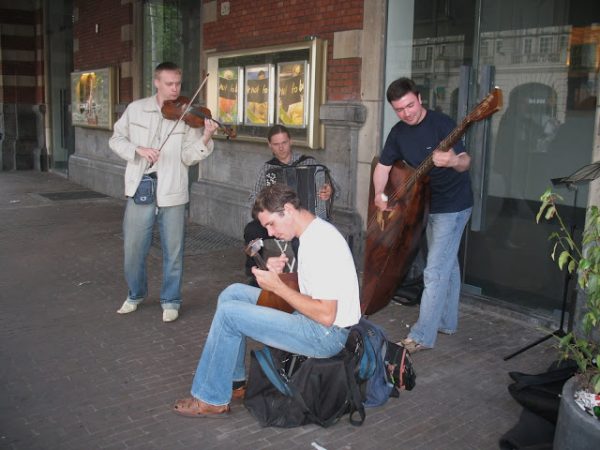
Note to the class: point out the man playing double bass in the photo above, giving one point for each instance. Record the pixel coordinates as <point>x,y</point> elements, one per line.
<point>412,139</point>
<point>138,137</point>
<point>328,303</point>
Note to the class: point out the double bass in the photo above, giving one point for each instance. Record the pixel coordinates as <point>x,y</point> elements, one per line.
<point>393,236</point>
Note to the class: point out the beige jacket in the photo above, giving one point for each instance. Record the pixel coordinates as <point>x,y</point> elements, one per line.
<point>143,125</point>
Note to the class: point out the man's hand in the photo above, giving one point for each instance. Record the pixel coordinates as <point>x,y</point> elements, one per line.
<point>210,127</point>
<point>277,263</point>
<point>325,192</point>
<point>381,202</point>
<point>269,279</point>
<point>380,179</point>
<point>460,162</point>
<point>149,154</point>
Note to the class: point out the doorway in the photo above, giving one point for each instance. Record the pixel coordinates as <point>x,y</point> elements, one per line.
<point>59,32</point>
<point>543,54</point>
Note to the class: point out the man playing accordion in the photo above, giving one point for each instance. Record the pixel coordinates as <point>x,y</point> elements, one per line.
<point>311,181</point>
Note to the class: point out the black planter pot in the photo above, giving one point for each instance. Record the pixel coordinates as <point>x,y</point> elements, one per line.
<point>575,429</point>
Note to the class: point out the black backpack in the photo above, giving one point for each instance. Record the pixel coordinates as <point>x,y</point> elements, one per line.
<point>286,390</point>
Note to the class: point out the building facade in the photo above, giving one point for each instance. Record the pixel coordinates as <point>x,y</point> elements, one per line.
<point>543,54</point>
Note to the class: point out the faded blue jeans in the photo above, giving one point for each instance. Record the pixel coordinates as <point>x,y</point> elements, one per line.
<point>137,231</point>
<point>439,302</point>
<point>238,317</point>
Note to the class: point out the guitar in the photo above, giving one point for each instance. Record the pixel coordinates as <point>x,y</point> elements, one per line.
<point>268,298</point>
<point>393,236</point>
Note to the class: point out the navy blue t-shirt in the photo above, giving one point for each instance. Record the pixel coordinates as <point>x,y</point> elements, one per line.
<point>450,190</point>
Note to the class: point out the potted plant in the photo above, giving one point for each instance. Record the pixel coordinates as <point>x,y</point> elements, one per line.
<point>577,428</point>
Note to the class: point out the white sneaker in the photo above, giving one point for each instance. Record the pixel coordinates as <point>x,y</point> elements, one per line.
<point>127,307</point>
<point>170,315</point>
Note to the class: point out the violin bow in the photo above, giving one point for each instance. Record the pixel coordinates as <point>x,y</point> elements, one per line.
<point>185,111</point>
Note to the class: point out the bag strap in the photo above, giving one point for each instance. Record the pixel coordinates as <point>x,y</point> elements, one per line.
<point>356,403</point>
<point>265,359</point>
<point>275,162</point>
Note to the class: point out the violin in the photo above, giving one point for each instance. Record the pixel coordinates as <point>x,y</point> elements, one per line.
<point>193,116</point>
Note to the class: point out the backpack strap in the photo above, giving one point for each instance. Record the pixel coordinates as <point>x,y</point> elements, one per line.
<point>356,403</point>
<point>275,162</point>
<point>402,367</point>
<point>302,159</point>
<point>265,359</point>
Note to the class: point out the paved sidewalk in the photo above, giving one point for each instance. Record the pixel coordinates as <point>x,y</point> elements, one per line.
<point>76,375</point>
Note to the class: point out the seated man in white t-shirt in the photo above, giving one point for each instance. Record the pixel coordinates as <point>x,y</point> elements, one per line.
<point>326,305</point>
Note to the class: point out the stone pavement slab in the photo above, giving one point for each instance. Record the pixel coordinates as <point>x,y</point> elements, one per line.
<point>76,375</point>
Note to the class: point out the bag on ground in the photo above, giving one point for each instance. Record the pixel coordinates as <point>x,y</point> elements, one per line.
<point>384,368</point>
<point>286,390</point>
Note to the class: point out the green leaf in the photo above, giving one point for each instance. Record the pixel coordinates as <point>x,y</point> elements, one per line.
<point>563,259</point>
<point>550,212</point>
<point>596,384</point>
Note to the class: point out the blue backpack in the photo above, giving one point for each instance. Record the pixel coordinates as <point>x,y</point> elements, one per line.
<point>371,346</point>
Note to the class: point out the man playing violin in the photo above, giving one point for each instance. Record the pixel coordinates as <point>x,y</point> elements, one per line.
<point>157,156</point>
<point>327,303</point>
<point>280,143</point>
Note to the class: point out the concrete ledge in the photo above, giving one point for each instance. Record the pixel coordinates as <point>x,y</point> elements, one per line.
<point>220,206</point>
<point>101,176</point>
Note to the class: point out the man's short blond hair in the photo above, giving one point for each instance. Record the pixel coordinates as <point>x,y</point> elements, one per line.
<point>167,65</point>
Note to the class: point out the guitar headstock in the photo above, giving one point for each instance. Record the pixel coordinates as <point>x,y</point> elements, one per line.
<point>254,247</point>
<point>489,105</point>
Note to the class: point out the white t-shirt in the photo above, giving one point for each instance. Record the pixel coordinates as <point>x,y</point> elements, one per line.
<point>326,270</point>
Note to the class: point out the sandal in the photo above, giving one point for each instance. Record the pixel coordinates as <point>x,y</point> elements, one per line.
<point>192,407</point>
<point>412,346</point>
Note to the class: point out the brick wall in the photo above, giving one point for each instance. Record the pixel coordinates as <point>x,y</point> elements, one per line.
<point>39,60</point>
<point>17,56</point>
<point>102,45</point>
<point>252,23</point>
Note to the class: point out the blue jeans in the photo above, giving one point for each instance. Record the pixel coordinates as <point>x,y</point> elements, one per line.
<point>439,302</point>
<point>137,231</point>
<point>238,317</point>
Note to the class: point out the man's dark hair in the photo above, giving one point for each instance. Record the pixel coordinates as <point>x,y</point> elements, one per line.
<point>277,129</point>
<point>273,198</point>
<point>167,65</point>
<point>399,88</point>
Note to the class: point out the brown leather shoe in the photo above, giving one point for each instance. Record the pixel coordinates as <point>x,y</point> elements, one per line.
<point>239,393</point>
<point>192,407</point>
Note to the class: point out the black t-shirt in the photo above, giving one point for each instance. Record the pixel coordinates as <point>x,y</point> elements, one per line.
<point>450,190</point>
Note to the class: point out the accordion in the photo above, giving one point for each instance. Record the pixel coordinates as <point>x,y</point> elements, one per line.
<point>307,181</point>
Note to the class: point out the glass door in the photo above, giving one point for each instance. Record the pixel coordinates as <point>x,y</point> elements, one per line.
<point>544,56</point>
